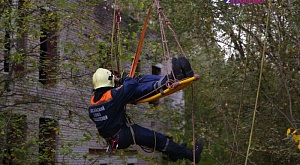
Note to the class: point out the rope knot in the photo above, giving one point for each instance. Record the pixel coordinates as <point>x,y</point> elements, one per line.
<point>167,22</point>
<point>118,17</point>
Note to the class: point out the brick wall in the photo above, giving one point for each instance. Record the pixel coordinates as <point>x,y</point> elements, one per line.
<point>68,100</point>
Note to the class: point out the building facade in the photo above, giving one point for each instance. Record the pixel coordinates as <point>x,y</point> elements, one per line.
<point>49,51</point>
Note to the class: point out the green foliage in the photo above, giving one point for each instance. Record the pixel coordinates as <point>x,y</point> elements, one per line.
<point>225,44</point>
<point>224,105</point>
<point>14,147</point>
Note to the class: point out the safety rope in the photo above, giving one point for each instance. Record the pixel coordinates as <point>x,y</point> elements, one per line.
<point>146,149</point>
<point>118,39</point>
<point>168,23</point>
<point>115,48</point>
<point>119,53</point>
<point>259,83</point>
<point>164,41</point>
<point>130,122</point>
<point>193,126</point>
<point>241,97</point>
<point>113,32</point>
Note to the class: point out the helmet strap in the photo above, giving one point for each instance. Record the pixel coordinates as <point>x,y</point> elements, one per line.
<point>110,77</point>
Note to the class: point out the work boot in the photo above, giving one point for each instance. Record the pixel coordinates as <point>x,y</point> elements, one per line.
<point>198,150</point>
<point>174,159</point>
<point>176,68</point>
<point>186,67</point>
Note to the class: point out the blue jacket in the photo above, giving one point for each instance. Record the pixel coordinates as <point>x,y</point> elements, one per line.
<point>108,113</point>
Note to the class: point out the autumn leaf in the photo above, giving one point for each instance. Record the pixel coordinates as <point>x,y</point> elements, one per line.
<point>296,138</point>
<point>288,132</point>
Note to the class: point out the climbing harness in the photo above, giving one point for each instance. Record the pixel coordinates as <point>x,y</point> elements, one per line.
<point>112,143</point>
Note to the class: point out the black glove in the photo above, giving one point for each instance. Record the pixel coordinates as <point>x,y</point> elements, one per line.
<point>123,77</point>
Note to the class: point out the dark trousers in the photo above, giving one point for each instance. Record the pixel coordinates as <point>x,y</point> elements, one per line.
<point>145,137</point>
<point>151,139</point>
<point>146,86</point>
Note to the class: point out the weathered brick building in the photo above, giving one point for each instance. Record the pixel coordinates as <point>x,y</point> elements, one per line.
<point>46,85</point>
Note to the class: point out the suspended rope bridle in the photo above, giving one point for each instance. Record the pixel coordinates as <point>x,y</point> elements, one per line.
<point>166,53</point>
<point>162,17</point>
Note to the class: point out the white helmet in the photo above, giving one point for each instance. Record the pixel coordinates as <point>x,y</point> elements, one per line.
<point>103,78</point>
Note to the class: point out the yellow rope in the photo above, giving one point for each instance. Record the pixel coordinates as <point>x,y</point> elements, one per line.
<point>129,122</point>
<point>133,135</point>
<point>259,83</point>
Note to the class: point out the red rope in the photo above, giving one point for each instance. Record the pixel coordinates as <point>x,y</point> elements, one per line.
<point>118,17</point>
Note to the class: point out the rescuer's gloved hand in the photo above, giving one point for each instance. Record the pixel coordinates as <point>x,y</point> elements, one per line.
<point>122,78</point>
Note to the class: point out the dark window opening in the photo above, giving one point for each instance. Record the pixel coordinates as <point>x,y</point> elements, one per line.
<point>138,68</point>
<point>156,69</point>
<point>19,67</point>
<point>13,139</point>
<point>11,64</point>
<point>48,48</point>
<point>6,51</point>
<point>43,49</point>
<point>47,139</point>
<point>71,115</point>
<point>96,151</point>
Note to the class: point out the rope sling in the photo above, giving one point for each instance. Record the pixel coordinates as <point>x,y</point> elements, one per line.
<point>172,86</point>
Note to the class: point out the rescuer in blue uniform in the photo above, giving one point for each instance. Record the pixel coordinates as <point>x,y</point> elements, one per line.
<point>107,110</point>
